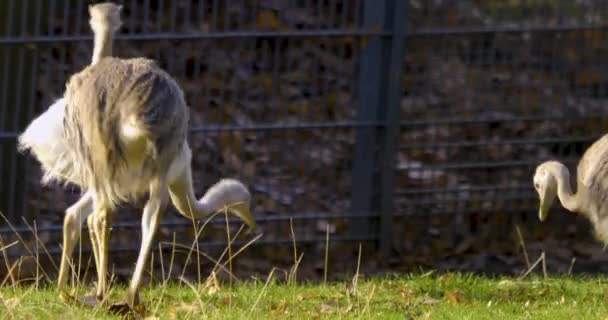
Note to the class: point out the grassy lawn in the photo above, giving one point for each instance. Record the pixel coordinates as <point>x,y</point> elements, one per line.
<point>419,296</point>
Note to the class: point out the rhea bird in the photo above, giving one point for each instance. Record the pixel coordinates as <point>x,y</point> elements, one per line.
<point>552,180</point>
<point>120,132</point>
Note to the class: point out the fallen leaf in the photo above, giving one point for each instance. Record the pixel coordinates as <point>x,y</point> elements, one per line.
<point>428,300</point>
<point>506,284</point>
<point>187,307</point>
<point>267,19</point>
<point>281,308</point>
<point>454,296</point>
<point>407,293</point>
<point>11,303</point>
<point>348,308</point>
<point>326,308</point>
<point>211,285</point>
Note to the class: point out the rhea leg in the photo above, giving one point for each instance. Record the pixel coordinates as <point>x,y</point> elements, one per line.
<point>93,237</point>
<point>72,224</point>
<point>102,220</point>
<point>157,202</point>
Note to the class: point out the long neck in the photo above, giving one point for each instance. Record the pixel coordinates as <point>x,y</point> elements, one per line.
<point>182,196</point>
<point>102,44</point>
<point>564,190</point>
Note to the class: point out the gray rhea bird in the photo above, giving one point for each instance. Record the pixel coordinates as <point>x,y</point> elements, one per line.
<point>119,132</point>
<point>552,179</point>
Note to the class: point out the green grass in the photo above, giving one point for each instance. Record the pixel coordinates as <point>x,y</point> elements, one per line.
<point>420,296</point>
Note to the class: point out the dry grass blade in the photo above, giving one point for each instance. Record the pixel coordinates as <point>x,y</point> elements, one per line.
<point>262,292</point>
<point>294,269</point>
<point>162,262</point>
<point>216,262</point>
<point>198,256</point>
<point>326,261</point>
<point>35,233</point>
<point>4,247</point>
<point>291,280</point>
<point>29,250</point>
<point>162,271</point>
<point>86,270</point>
<point>356,277</point>
<point>522,243</point>
<point>229,245</point>
<point>165,278</point>
<point>197,234</point>
<point>544,265</point>
<point>245,246</point>
<point>368,300</point>
<point>196,293</point>
<point>10,274</point>
<point>7,262</point>
<point>571,265</point>
<point>226,250</point>
<point>37,257</point>
<point>151,266</point>
<point>531,268</point>
<point>172,259</point>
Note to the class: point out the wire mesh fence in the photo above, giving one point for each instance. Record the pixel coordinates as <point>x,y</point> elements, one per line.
<point>414,125</point>
<point>490,90</point>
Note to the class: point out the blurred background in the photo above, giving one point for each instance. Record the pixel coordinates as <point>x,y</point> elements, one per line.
<point>409,127</point>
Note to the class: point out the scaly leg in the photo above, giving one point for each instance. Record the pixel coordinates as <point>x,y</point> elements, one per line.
<point>102,222</point>
<point>93,236</point>
<point>72,224</point>
<point>158,201</point>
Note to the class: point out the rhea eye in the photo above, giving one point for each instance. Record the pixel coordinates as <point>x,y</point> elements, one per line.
<point>536,185</point>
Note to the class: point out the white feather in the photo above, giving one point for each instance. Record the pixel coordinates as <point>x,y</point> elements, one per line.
<point>44,139</point>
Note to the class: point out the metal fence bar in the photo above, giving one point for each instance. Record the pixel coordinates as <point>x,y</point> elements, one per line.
<point>177,222</point>
<point>379,96</point>
<point>215,244</point>
<point>451,31</point>
<point>389,114</point>
<point>368,100</point>
<point>12,40</point>
<point>9,135</point>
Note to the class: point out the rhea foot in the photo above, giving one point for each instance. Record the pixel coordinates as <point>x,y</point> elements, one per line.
<point>128,306</point>
<point>88,300</point>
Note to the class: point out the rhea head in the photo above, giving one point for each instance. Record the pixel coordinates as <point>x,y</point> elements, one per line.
<point>546,187</point>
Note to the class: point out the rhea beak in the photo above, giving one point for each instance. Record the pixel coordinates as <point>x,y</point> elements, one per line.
<point>242,211</point>
<point>546,200</point>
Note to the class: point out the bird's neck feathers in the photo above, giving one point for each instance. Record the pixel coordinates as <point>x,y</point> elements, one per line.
<point>102,46</point>
<point>561,184</point>
<point>105,21</point>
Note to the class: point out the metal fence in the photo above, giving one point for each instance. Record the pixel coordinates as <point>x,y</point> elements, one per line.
<point>414,125</point>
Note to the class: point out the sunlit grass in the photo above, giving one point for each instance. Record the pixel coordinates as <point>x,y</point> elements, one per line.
<point>411,296</point>
<point>280,295</point>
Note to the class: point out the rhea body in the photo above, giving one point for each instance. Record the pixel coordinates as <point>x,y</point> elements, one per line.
<point>552,180</point>
<point>119,132</point>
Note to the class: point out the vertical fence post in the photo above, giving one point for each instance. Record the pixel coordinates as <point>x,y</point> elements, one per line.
<point>378,102</point>
<point>369,94</point>
<point>390,116</point>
